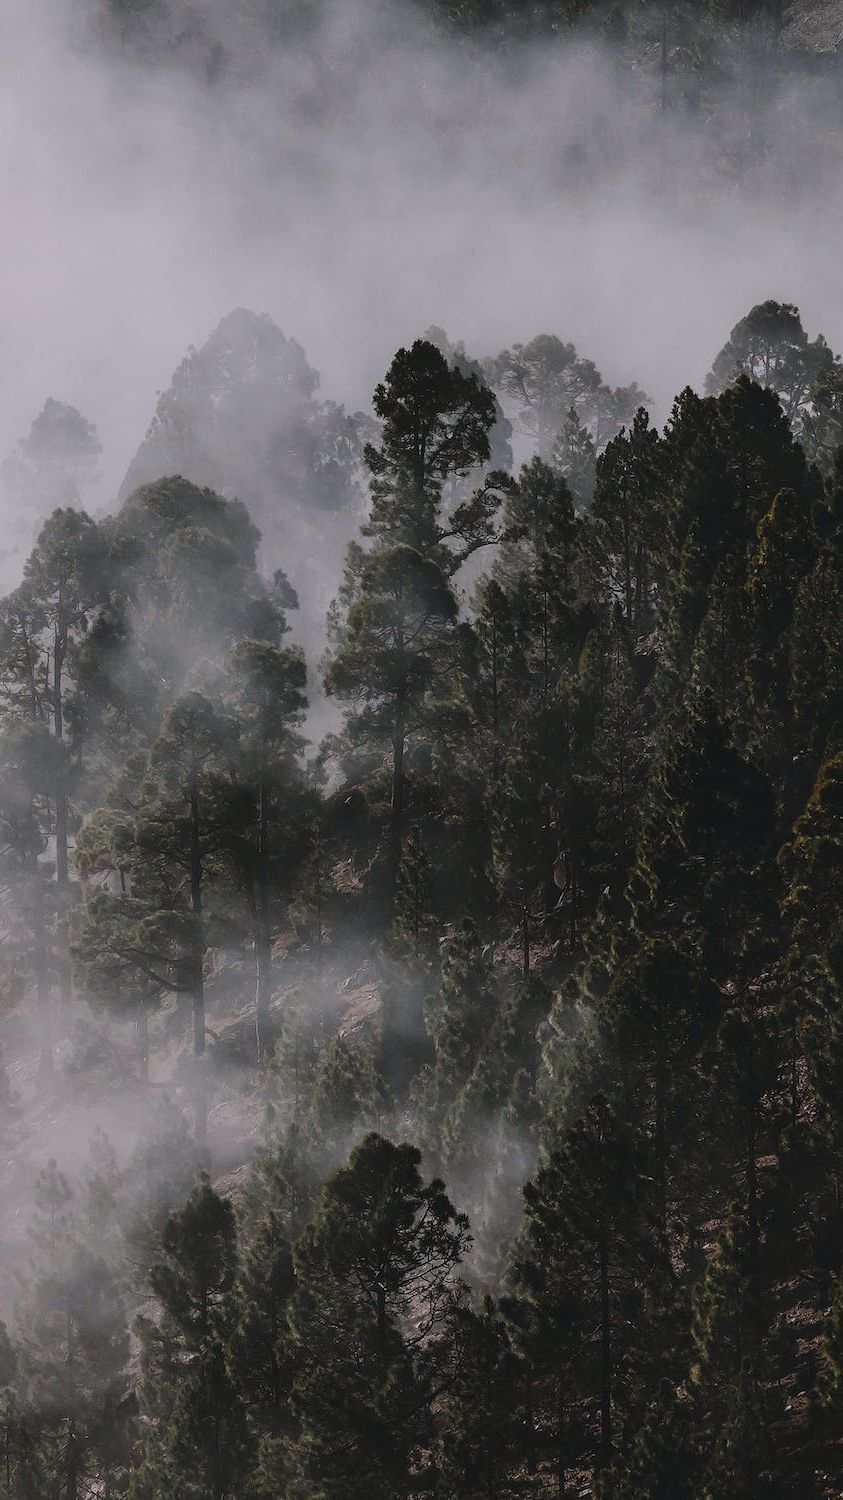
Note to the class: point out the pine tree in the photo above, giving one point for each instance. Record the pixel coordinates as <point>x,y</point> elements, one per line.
<point>258,1348</point>
<point>27,755</point>
<point>609,765</point>
<point>41,627</point>
<point>397,637</point>
<point>626,502</point>
<point>719,656</point>
<point>785,554</point>
<point>481,1438</point>
<point>436,422</point>
<point>659,1013</point>
<point>580,1265</point>
<point>157,929</point>
<point>830,1380</point>
<point>414,925</point>
<point>266,835</point>
<point>816,659</point>
<point>660,1463</point>
<point>73,1351</point>
<point>734,1341</point>
<point>348,1097</point>
<point>703,866</point>
<point>206,1437</point>
<point>770,346</point>
<point>458,1019</point>
<point>575,456</point>
<point>54,464</point>
<point>465,1005</point>
<point>374,1273</point>
<point>394,634</point>
<point>547,378</point>
<point>726,459</point>
<point>497,685</point>
<point>191,1282</point>
<point>523,841</point>
<point>811,863</point>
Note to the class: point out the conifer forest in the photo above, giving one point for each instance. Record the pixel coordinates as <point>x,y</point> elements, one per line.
<point>421,750</point>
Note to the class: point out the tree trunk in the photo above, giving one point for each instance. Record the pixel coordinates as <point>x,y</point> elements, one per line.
<point>794,1070</point>
<point>262,940</point>
<point>561,1466</point>
<point>545,648</point>
<point>496,748</point>
<point>63,964</point>
<point>399,738</point>
<point>319,902</point>
<point>640,584</point>
<point>381,1296</point>
<point>197,981</point>
<point>605,1349</point>
<point>396,817</point>
<point>660,1131</point>
<point>143,1044</point>
<point>72,1467</point>
<point>42,974</point>
<point>263,991</point>
<point>529,1418</point>
<point>627,572</point>
<point>752,1191</point>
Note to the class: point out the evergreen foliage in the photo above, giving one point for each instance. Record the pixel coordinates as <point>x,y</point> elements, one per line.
<point>554,911</point>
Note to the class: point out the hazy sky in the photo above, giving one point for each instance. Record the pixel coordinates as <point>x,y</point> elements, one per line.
<point>394,181</point>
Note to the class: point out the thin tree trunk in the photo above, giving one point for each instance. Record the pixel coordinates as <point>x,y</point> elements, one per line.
<point>639,583</point>
<point>197,985</point>
<point>319,902</point>
<point>42,974</point>
<point>573,913</point>
<point>605,1349</point>
<point>660,1141</point>
<point>529,1418</point>
<point>262,941</point>
<point>381,1296</point>
<point>398,745</point>
<point>627,572</point>
<point>72,1471</point>
<point>561,1466</point>
<point>752,1192</point>
<point>263,990</point>
<point>794,1070</point>
<point>496,748</point>
<point>396,818</point>
<point>63,965</point>
<point>143,1043</point>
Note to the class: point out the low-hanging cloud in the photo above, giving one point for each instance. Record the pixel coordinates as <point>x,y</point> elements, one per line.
<point>375,178</point>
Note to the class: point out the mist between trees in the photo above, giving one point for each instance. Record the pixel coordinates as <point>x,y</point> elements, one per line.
<point>450,1105</point>
<point>421,776</point>
<point>361,171</point>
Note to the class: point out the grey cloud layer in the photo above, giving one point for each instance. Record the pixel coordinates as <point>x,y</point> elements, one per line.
<point>388,180</point>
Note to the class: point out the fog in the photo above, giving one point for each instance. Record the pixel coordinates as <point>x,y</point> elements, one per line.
<point>377,179</point>
<point>257,901</point>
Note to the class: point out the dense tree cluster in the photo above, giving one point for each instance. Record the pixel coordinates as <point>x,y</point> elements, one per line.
<point>557,1209</point>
